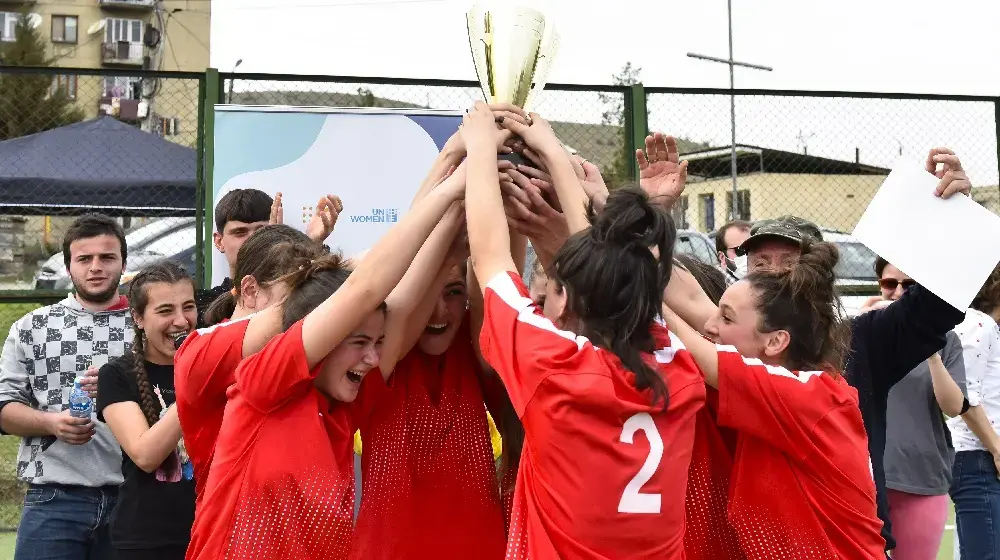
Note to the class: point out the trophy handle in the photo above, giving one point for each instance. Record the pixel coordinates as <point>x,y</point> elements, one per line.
<point>547,51</point>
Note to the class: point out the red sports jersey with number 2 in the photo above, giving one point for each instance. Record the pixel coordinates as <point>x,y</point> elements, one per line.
<point>603,472</point>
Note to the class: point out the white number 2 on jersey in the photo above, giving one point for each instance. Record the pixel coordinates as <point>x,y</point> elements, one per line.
<point>634,501</point>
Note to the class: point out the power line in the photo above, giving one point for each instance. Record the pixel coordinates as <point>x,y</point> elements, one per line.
<point>191,33</point>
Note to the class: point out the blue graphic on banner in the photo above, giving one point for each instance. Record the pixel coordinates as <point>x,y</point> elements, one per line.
<point>438,128</point>
<point>238,134</point>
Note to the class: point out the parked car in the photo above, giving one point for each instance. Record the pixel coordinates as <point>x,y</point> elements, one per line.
<point>696,244</point>
<point>179,246</point>
<point>52,275</point>
<point>855,271</point>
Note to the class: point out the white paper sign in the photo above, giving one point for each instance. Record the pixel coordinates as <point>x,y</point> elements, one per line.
<point>949,246</point>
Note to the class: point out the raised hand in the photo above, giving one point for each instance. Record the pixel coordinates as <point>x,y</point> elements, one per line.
<point>952,178</point>
<point>592,182</point>
<point>538,135</point>
<point>478,128</point>
<point>277,212</point>
<point>661,173</point>
<point>502,135</point>
<point>538,221</point>
<point>324,219</point>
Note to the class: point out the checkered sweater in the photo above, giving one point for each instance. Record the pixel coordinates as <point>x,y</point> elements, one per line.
<point>44,352</point>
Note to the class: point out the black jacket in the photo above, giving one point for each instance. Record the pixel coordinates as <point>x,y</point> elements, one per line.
<point>885,345</point>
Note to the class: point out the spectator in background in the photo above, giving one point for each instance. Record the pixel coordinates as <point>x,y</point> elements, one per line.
<point>71,466</point>
<point>729,237</point>
<point>240,213</point>
<point>918,449</point>
<point>136,397</point>
<point>975,487</point>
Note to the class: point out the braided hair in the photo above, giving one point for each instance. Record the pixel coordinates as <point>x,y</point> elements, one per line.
<point>168,272</point>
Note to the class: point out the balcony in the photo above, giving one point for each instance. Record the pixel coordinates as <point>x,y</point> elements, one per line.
<point>123,53</point>
<point>143,5</point>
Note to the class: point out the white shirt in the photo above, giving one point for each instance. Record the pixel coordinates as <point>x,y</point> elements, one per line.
<point>981,350</point>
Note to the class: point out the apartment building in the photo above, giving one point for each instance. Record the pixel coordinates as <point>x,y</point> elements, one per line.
<point>122,35</point>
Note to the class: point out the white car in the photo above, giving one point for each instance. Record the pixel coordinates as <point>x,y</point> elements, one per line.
<point>855,270</point>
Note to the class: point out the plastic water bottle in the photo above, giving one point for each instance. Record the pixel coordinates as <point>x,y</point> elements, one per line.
<point>80,403</point>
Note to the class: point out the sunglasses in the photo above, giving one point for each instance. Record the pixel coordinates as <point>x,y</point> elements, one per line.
<point>891,284</point>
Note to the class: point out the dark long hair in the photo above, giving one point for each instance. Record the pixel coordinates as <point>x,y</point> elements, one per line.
<point>254,259</point>
<point>615,284</point>
<point>167,272</point>
<point>988,298</point>
<point>803,301</point>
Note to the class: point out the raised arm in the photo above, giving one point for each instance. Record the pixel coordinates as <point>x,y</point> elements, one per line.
<point>705,353</point>
<point>408,304</point>
<point>377,274</point>
<point>685,297</point>
<point>901,336</point>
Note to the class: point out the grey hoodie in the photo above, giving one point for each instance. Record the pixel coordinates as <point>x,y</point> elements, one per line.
<point>44,352</point>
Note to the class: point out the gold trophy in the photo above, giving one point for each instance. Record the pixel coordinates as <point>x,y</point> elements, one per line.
<point>513,48</point>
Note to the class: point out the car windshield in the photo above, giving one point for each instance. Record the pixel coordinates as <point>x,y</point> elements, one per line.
<point>857,262</point>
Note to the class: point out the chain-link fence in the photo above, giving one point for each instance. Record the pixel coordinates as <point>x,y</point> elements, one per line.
<point>128,143</point>
<point>120,142</point>
<point>818,156</point>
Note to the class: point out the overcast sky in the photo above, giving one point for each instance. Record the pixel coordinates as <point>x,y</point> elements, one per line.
<point>856,45</point>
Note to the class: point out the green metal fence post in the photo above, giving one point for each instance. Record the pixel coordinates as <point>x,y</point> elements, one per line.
<point>206,154</point>
<point>637,122</point>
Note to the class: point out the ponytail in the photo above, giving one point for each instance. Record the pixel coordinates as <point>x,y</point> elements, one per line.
<point>615,283</point>
<point>803,301</point>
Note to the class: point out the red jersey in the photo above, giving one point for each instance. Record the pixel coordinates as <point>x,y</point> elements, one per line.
<point>802,485</point>
<point>204,367</point>
<point>429,485</point>
<point>282,480</point>
<point>603,471</point>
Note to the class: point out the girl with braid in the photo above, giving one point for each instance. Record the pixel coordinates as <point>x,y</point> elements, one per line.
<point>155,510</point>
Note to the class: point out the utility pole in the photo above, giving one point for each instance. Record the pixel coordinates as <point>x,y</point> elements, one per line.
<point>732,98</point>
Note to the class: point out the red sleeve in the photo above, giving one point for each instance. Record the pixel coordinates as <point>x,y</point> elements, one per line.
<point>521,344</point>
<point>205,363</point>
<point>772,403</point>
<point>278,373</point>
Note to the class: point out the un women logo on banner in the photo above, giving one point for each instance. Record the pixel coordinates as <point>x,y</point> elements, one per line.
<point>378,216</point>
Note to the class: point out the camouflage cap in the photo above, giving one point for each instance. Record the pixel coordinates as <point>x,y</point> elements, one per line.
<point>791,228</point>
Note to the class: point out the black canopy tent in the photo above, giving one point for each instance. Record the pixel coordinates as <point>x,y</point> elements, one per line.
<point>101,164</point>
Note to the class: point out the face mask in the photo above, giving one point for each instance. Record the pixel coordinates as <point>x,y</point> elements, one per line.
<point>737,268</point>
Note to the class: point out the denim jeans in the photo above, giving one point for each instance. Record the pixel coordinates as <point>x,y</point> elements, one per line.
<point>975,489</point>
<point>66,523</point>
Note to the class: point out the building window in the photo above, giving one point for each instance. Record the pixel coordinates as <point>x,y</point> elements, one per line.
<point>125,87</point>
<point>742,205</point>
<point>679,213</point>
<point>65,83</point>
<point>708,212</point>
<point>127,30</point>
<point>8,21</point>
<point>64,29</point>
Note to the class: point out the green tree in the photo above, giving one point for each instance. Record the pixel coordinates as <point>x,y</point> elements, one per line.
<point>29,103</point>
<point>620,171</point>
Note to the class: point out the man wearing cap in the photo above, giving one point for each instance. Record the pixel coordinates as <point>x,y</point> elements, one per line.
<point>885,344</point>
